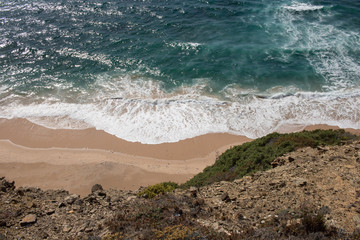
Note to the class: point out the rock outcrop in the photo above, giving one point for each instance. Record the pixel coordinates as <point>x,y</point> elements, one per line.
<point>324,180</point>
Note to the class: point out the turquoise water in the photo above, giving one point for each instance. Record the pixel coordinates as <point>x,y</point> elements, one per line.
<point>160,71</point>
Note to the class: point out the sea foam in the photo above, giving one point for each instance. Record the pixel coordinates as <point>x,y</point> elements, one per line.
<point>299,7</point>
<point>155,116</point>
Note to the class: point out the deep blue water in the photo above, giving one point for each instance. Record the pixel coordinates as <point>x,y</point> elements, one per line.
<point>160,71</point>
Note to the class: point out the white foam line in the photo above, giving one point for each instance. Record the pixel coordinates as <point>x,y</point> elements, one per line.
<point>303,7</point>
<point>170,120</point>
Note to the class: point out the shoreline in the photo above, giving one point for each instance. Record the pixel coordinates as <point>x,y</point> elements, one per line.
<point>74,160</point>
<point>27,134</point>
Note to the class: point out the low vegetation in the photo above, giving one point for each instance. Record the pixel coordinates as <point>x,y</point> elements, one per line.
<point>257,155</point>
<point>163,217</point>
<point>157,189</point>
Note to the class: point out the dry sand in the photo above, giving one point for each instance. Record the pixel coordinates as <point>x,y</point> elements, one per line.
<point>74,160</point>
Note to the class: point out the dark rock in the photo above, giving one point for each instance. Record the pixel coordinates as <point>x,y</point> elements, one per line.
<point>6,186</point>
<point>2,223</point>
<point>28,219</point>
<point>62,204</point>
<point>96,187</point>
<point>44,235</point>
<point>20,192</point>
<point>178,211</point>
<point>101,193</point>
<point>240,216</point>
<point>199,202</point>
<point>225,197</point>
<point>193,192</point>
<point>51,211</point>
<point>194,211</point>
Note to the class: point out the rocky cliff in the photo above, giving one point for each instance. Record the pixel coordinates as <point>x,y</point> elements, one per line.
<point>311,193</point>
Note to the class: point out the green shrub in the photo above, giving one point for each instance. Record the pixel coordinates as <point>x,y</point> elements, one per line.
<point>257,155</point>
<point>177,232</point>
<point>157,189</point>
<point>314,222</point>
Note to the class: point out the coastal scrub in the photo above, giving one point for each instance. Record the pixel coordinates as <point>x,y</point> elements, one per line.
<point>257,155</point>
<point>157,189</point>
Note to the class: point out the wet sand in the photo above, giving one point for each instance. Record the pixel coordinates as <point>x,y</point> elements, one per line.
<point>74,160</point>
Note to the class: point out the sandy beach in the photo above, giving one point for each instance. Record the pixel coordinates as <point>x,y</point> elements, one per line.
<point>74,160</point>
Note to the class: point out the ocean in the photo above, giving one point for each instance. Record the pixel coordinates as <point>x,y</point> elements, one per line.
<point>155,71</point>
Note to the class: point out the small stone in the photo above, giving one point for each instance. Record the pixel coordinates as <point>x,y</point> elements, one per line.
<point>44,235</point>
<point>291,159</point>
<point>358,194</point>
<point>67,228</point>
<point>194,212</point>
<point>199,202</point>
<point>62,204</point>
<point>300,182</point>
<point>193,189</point>
<point>76,208</point>
<point>82,227</point>
<point>101,194</point>
<point>193,192</point>
<point>288,223</point>
<point>28,219</point>
<point>2,223</point>
<point>71,199</point>
<point>240,216</point>
<point>31,205</point>
<point>50,211</point>
<point>96,187</point>
<point>131,198</point>
<point>225,197</point>
<point>238,181</point>
<point>20,192</point>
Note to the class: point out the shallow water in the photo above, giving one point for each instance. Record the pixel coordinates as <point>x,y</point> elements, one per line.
<point>160,71</point>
